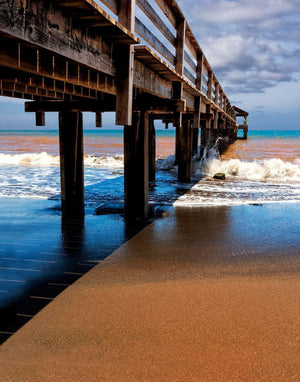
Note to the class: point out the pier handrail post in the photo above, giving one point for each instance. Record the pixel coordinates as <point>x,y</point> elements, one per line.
<point>125,66</point>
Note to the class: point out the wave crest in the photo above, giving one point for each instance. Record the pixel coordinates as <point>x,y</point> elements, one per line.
<point>269,169</point>
<point>44,159</point>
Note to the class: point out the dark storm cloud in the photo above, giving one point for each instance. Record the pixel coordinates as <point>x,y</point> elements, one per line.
<point>251,45</point>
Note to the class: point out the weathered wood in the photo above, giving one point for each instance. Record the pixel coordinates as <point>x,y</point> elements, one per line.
<point>156,20</point>
<point>216,120</point>
<point>189,75</point>
<point>71,164</point>
<point>204,138</point>
<point>126,14</point>
<point>152,40</point>
<point>184,155</point>
<point>70,106</point>
<point>177,94</point>
<point>124,85</point>
<point>180,40</point>
<point>98,119</point>
<point>136,167</point>
<point>40,119</point>
<point>112,5</point>
<point>167,11</point>
<point>152,151</point>
<point>190,62</point>
<point>197,108</point>
<point>62,35</point>
<point>195,138</point>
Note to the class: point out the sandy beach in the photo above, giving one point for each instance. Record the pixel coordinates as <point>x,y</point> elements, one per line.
<point>172,304</point>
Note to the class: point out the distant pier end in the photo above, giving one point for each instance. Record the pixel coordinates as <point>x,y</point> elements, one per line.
<point>244,126</point>
<point>75,56</point>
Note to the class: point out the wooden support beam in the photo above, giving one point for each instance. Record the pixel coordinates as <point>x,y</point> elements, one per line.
<point>180,42</point>
<point>39,118</point>
<point>126,14</point>
<point>71,106</point>
<point>125,66</point>
<point>195,138</point>
<point>203,138</point>
<point>177,92</point>
<point>184,158</point>
<point>124,84</point>
<point>155,104</point>
<point>98,117</point>
<point>136,166</point>
<point>216,119</point>
<point>209,84</point>
<point>152,151</point>
<point>197,108</point>
<point>71,164</point>
<point>199,71</point>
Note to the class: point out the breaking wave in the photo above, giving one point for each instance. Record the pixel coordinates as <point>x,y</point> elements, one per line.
<point>44,159</point>
<point>264,170</point>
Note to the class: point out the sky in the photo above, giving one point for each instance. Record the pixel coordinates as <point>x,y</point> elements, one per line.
<point>253,46</point>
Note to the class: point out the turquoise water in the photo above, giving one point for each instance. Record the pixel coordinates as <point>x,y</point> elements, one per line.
<point>291,134</point>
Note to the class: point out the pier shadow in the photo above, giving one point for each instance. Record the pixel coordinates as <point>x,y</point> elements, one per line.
<point>42,253</point>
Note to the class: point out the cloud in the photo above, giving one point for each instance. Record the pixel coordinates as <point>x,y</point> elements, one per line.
<point>251,45</point>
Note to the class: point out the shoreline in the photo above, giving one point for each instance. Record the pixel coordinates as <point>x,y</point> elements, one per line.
<point>172,304</point>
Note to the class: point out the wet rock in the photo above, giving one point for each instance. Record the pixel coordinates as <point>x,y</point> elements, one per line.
<point>220,176</point>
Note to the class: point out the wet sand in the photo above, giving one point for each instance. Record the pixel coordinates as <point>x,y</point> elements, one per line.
<point>207,294</point>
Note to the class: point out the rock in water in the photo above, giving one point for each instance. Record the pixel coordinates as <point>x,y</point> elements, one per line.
<point>220,176</point>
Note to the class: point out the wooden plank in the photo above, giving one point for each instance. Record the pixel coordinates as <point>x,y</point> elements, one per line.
<point>148,80</point>
<point>190,47</point>
<point>152,40</point>
<point>111,4</point>
<point>70,106</point>
<point>190,62</point>
<point>61,35</point>
<point>189,75</point>
<point>167,11</point>
<point>180,40</point>
<point>157,21</point>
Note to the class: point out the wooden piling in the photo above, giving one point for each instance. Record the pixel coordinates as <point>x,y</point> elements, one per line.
<point>195,141</point>
<point>184,152</point>
<point>152,151</point>
<point>71,164</point>
<point>40,118</point>
<point>136,166</point>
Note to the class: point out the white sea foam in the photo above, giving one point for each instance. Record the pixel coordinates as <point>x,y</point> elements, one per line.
<point>265,170</point>
<point>44,159</point>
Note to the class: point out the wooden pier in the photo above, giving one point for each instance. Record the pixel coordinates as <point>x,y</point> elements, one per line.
<point>75,56</point>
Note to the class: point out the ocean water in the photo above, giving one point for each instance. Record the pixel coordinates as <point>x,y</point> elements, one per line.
<point>42,254</point>
<point>262,169</point>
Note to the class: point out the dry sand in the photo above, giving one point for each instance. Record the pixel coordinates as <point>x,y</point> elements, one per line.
<point>178,302</point>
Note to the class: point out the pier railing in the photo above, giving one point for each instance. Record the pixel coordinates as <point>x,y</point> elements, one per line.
<point>161,25</point>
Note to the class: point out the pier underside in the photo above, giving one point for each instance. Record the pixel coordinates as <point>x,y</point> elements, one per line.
<point>72,57</point>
